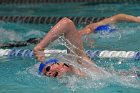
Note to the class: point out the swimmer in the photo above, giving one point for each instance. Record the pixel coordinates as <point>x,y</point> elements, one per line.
<point>54,67</point>
<point>20,43</point>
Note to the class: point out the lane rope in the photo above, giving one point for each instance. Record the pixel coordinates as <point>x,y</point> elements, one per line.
<point>49,19</point>
<point>93,54</point>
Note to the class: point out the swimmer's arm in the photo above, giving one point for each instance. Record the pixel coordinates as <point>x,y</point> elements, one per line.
<point>112,20</point>
<point>59,29</point>
<point>78,72</point>
<point>86,62</point>
<point>39,48</point>
<point>91,65</point>
<point>119,17</point>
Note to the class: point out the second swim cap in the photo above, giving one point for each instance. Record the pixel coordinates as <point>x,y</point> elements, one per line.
<point>105,29</point>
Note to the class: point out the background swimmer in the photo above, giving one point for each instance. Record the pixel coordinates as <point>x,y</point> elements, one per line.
<point>74,38</point>
<point>19,43</point>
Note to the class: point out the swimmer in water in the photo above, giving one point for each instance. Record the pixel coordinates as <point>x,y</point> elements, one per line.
<point>54,67</point>
<point>20,43</point>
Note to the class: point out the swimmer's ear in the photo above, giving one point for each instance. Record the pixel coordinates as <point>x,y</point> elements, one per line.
<point>66,65</point>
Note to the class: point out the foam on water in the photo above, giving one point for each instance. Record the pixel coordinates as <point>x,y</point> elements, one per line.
<point>74,82</point>
<point>9,35</point>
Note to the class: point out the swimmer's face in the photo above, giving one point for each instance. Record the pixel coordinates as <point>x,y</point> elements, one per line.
<point>55,70</point>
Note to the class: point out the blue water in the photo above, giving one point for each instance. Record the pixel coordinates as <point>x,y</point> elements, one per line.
<point>20,74</point>
<point>74,9</point>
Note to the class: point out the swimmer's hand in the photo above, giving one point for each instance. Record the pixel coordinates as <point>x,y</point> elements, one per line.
<point>39,54</point>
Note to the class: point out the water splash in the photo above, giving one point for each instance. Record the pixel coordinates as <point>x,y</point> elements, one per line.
<point>34,33</point>
<point>74,82</point>
<point>9,35</point>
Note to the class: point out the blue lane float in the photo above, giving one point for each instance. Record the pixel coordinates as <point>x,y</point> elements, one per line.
<point>137,55</point>
<point>91,53</point>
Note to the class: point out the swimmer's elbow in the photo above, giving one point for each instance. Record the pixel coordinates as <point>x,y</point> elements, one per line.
<point>66,20</point>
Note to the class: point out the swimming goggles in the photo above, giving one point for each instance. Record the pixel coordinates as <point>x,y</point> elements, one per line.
<point>47,69</point>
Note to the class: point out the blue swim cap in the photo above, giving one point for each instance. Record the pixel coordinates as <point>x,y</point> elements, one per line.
<point>48,61</point>
<point>105,29</point>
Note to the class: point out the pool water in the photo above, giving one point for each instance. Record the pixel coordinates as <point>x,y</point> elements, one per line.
<point>73,9</point>
<point>20,74</point>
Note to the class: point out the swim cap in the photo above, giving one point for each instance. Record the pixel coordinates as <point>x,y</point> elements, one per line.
<point>105,29</point>
<point>48,61</point>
